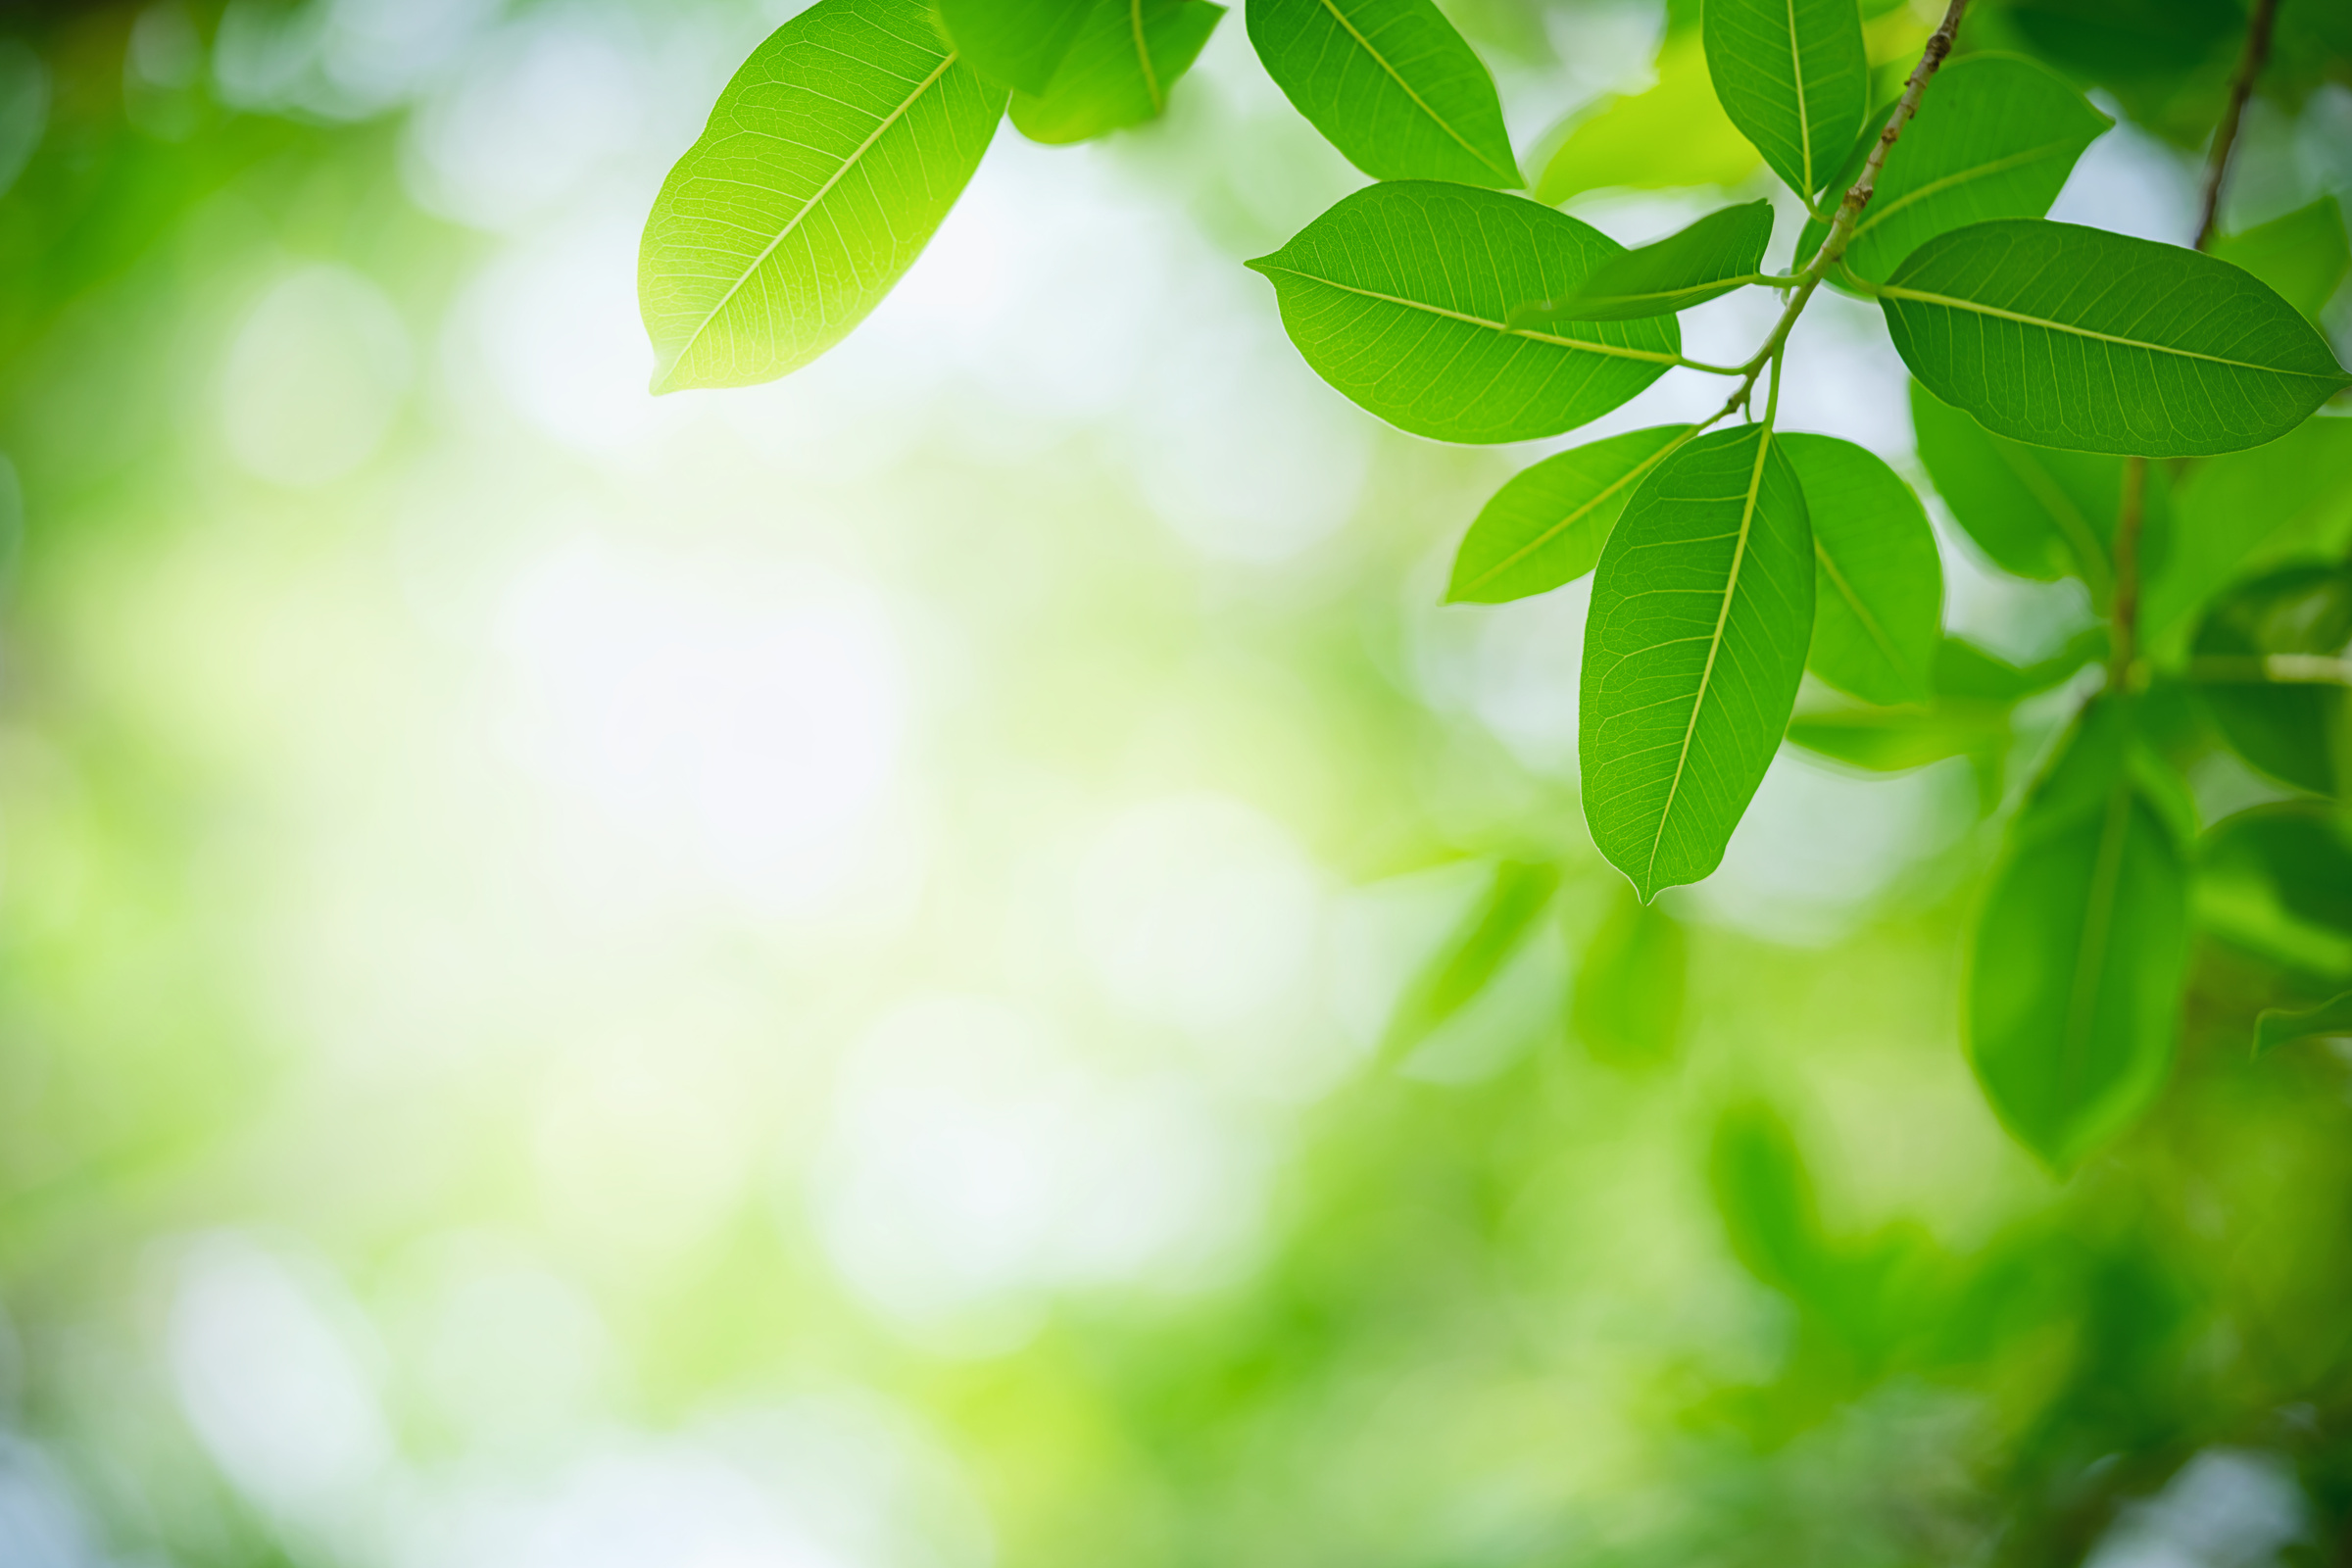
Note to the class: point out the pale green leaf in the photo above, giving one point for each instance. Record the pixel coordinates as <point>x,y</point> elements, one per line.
<point>2037,511</point>
<point>1794,77</point>
<point>2304,255</point>
<point>1547,525</point>
<point>1631,978</point>
<point>1390,85</point>
<point>2278,1027</point>
<point>1020,43</point>
<point>1474,952</point>
<point>2074,338</point>
<point>2288,501</point>
<point>1398,295</point>
<point>1721,252</point>
<point>1673,136</point>
<point>1119,69</point>
<point>1995,136</point>
<point>2074,991</point>
<point>1702,606</point>
<point>829,160</point>
<point>1878,601</point>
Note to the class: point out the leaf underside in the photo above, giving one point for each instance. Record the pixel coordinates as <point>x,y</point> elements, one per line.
<point>1547,525</point>
<point>1390,85</point>
<point>1719,253</point>
<point>1120,68</point>
<point>1017,42</point>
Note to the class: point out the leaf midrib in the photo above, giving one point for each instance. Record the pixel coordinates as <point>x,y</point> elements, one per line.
<point>1804,118</point>
<point>2091,952</point>
<point>1897,292</point>
<point>849,163</point>
<point>1142,55</point>
<point>1507,330</point>
<point>1420,103</point>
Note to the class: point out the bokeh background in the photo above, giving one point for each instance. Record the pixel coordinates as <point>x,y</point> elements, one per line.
<point>809,978</point>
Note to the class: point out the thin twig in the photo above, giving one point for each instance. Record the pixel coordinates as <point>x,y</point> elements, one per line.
<point>2224,135</point>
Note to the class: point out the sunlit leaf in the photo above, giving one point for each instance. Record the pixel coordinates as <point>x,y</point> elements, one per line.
<point>1390,85</point>
<point>1475,953</point>
<point>2278,1027</point>
<point>2272,664</point>
<point>1794,77</point>
<point>1127,55</point>
<point>828,162</point>
<point>1627,1006</point>
<point>2290,500</point>
<point>2304,255</point>
<point>1017,42</point>
<point>1702,606</point>
<point>1878,601</point>
<point>1721,252</point>
<point>1547,525</point>
<point>2074,991</point>
<point>1994,138</point>
<point>2074,338</point>
<point>1673,136</point>
<point>1397,296</point>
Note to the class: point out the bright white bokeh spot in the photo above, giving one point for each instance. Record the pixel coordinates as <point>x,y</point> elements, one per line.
<point>2225,1508</point>
<point>507,1352</point>
<point>314,379</point>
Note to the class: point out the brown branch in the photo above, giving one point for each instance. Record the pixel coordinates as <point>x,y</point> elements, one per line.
<point>2224,135</point>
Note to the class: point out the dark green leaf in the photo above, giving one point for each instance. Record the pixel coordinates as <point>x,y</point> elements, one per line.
<point>1547,525</point>
<point>2277,1027</point>
<point>2272,664</point>
<point>1397,296</point>
<point>1766,1199</point>
<point>1126,57</point>
<point>1702,606</point>
<point>2075,984</point>
<point>2290,500</point>
<point>828,162</point>
<point>1794,77</point>
<point>1475,954</point>
<point>2037,510</point>
<point>2074,337</point>
<point>1390,85</point>
<point>2303,255</point>
<point>1994,138</point>
<point>1878,600</point>
<point>1017,42</point>
<point>1673,136</point>
<point>2277,881</point>
<point>1721,252</point>
<point>1628,1004</point>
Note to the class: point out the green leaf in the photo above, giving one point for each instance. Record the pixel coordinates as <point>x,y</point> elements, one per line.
<point>2272,664</point>
<point>2277,881</point>
<point>1126,57</point>
<point>1794,77</point>
<point>2290,500</point>
<point>1673,136</point>
<point>1964,670</point>
<point>1721,252</point>
<point>2278,1027</point>
<point>1994,138</point>
<point>1896,740</point>
<point>1766,1199</point>
<point>2074,991</point>
<point>1627,1006</point>
<point>1545,526</point>
<point>1878,598</point>
<point>1475,954</point>
<point>1702,604</point>
<point>2304,255</point>
<point>1017,42</point>
<point>828,163</point>
<point>2074,337</point>
<point>1390,85</point>
<point>2037,511</point>
<point>1397,296</point>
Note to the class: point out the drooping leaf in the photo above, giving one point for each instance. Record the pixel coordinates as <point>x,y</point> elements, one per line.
<point>2074,338</point>
<point>1486,937</point>
<point>1673,136</point>
<point>1627,1006</point>
<point>2074,991</point>
<point>1794,77</point>
<point>1020,43</point>
<point>1127,55</point>
<point>1994,138</point>
<point>1702,606</point>
<point>2277,881</point>
<point>1397,296</point>
<point>1547,525</point>
<point>1766,1199</point>
<point>2238,514</point>
<point>828,163</point>
<point>1878,599</point>
<point>1721,252</point>
<point>2304,255</point>
<point>1390,85</point>
<point>2272,664</point>
<point>1896,740</point>
<point>1962,669</point>
<point>2278,1027</point>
